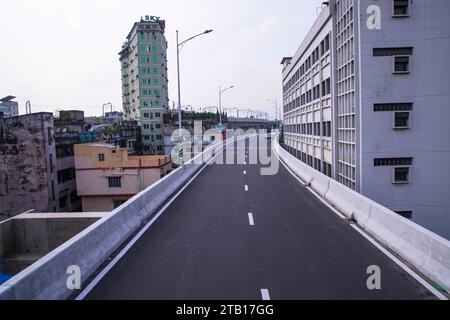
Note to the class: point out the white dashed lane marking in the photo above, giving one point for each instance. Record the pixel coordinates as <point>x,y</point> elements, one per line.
<point>265,294</point>
<point>250,219</point>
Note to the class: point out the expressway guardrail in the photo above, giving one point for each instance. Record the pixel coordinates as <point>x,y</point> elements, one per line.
<point>428,252</point>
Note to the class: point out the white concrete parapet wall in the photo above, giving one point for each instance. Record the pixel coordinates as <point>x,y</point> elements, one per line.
<point>47,278</point>
<point>428,252</point>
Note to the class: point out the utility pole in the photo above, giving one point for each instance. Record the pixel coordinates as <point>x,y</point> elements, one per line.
<point>275,102</point>
<point>220,101</point>
<point>179,46</point>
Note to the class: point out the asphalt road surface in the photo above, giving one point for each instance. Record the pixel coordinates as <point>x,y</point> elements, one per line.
<point>229,235</point>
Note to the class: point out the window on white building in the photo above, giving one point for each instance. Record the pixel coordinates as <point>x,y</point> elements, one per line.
<point>401,120</point>
<point>401,8</point>
<point>401,64</point>
<point>401,175</point>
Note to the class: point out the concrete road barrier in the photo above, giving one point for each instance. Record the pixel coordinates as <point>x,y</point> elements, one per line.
<point>302,170</point>
<point>425,250</point>
<point>428,252</point>
<point>352,204</point>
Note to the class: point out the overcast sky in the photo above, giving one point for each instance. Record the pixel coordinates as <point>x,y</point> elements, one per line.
<point>64,54</point>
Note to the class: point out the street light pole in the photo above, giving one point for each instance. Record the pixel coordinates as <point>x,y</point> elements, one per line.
<point>220,101</point>
<point>179,90</point>
<point>275,102</point>
<point>220,105</point>
<point>179,46</point>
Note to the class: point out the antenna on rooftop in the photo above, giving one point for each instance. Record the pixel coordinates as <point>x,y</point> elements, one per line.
<point>324,4</point>
<point>28,107</point>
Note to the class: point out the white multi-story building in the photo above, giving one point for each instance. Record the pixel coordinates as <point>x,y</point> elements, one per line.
<point>144,80</point>
<point>388,103</point>
<point>307,98</point>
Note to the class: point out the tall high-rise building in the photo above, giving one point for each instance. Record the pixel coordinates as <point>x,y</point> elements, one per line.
<point>144,80</point>
<point>379,71</point>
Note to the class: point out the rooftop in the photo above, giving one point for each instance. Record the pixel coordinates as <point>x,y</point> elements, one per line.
<point>7,98</point>
<point>286,59</point>
<point>320,22</point>
<point>112,147</point>
<point>99,145</point>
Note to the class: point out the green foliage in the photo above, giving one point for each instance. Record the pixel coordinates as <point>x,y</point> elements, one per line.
<point>114,129</point>
<point>198,116</point>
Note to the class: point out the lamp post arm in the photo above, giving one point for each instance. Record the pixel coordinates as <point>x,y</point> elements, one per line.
<point>193,37</point>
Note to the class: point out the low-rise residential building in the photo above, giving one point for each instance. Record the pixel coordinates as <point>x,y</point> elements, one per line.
<point>114,129</point>
<point>71,116</point>
<point>28,174</point>
<point>107,176</point>
<point>128,134</point>
<point>37,165</point>
<point>68,128</point>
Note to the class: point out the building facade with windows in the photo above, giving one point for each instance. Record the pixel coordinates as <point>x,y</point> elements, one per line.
<point>390,102</point>
<point>107,176</point>
<point>307,97</point>
<point>67,132</point>
<point>144,80</point>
